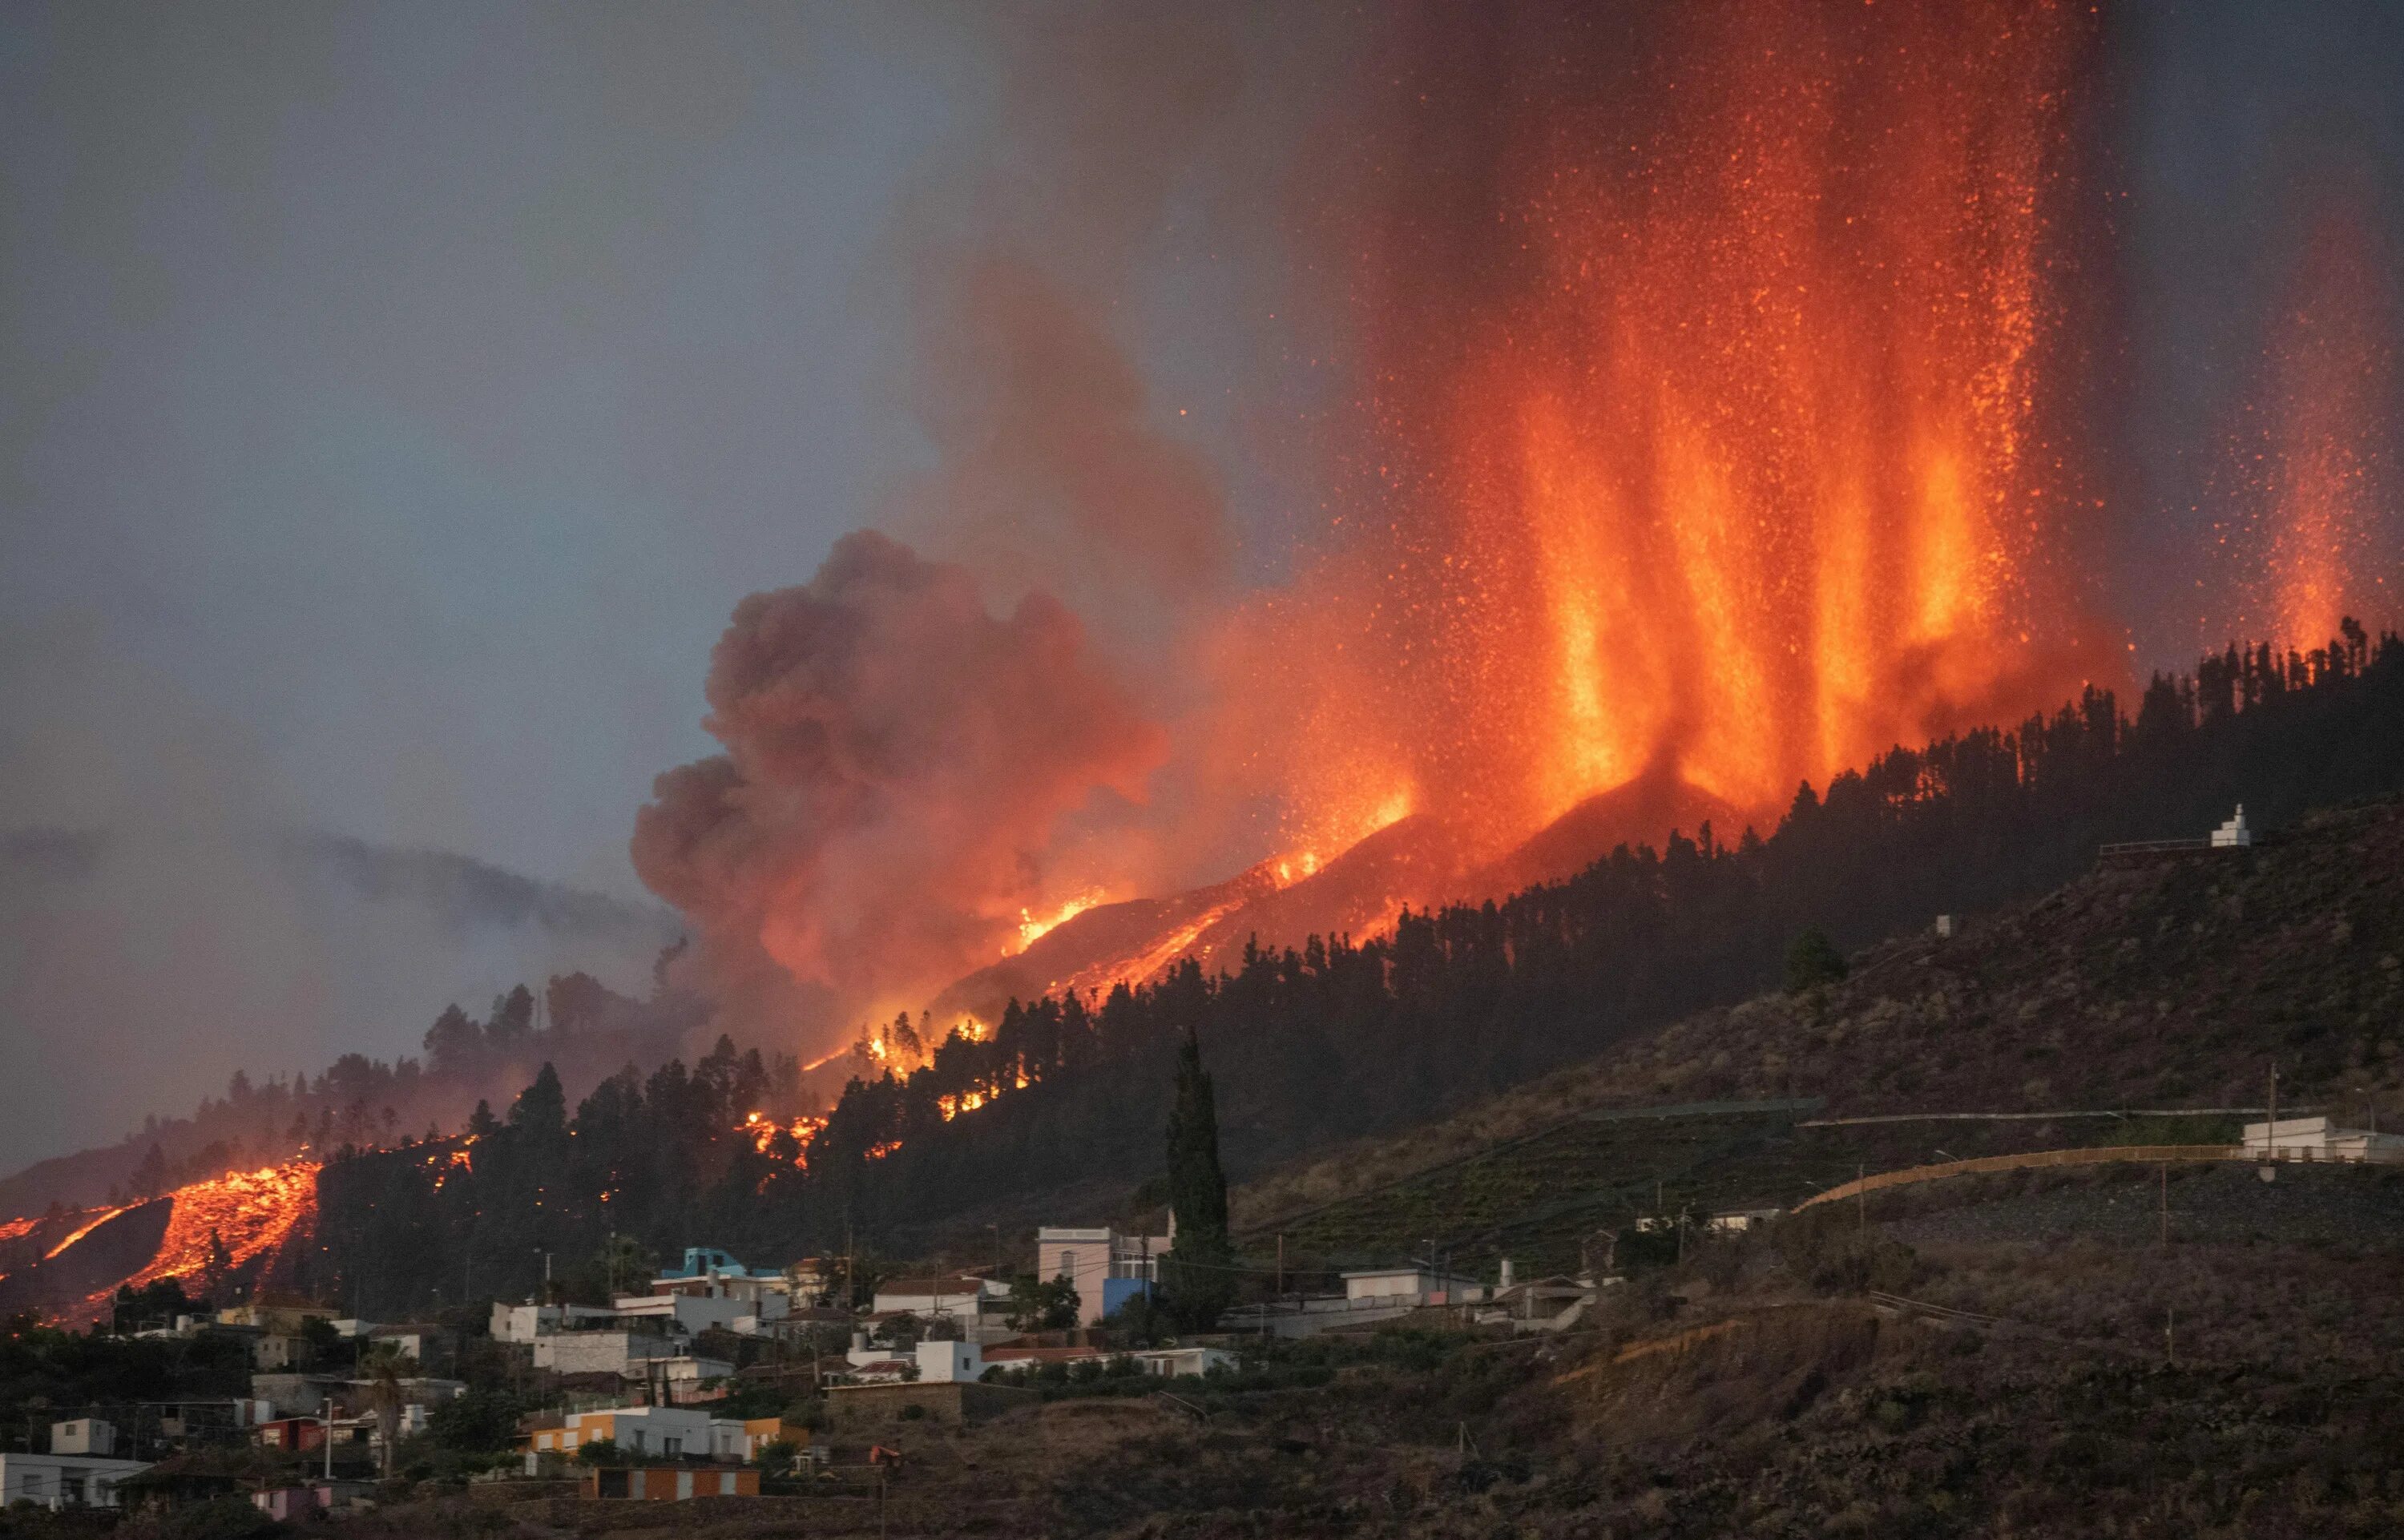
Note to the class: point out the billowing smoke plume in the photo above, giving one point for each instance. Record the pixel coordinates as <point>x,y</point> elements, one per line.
<point>904,770</point>
<point>898,765</point>
<point>1021,263</point>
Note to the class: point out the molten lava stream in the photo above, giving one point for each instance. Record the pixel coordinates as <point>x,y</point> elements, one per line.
<point>246,1213</point>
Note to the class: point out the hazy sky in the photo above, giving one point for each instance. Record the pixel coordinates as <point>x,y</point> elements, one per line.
<point>415,388</point>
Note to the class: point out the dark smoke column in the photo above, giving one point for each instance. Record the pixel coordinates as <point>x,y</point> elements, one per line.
<point>898,763</point>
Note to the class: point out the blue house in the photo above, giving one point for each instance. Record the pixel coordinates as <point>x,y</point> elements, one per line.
<point>706,1262</point>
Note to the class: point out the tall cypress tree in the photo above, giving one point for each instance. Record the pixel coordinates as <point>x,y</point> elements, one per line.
<point>1197,1276</point>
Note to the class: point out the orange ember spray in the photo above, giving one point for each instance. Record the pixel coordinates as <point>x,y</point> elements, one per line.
<point>1704,404</point>
<point>2325,467</point>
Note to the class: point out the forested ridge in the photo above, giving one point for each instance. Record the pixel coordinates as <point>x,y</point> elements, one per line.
<point>1337,1037</point>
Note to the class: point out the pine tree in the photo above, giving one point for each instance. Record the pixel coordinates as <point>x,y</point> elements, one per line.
<point>1198,1274</point>
<point>541,1108</point>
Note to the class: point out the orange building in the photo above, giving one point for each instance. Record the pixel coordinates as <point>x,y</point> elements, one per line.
<point>669,1483</point>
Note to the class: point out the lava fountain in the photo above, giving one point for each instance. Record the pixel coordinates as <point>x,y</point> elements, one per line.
<point>2323,475</point>
<point>1704,414</point>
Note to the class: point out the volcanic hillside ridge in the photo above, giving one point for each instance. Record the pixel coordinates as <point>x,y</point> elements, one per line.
<point>1714,397</point>
<point>2157,980</point>
<point>1417,861</point>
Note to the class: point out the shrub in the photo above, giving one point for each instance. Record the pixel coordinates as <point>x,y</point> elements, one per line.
<point>1811,960</point>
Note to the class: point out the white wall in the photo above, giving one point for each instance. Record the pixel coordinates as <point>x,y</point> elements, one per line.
<point>597,1352</point>
<point>945,1362</point>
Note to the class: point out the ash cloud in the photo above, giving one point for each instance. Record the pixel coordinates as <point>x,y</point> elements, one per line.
<point>899,764</point>
<point>1021,262</point>
<point>906,771</point>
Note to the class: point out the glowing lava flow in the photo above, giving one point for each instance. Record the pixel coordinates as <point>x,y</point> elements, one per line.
<point>95,1222</point>
<point>232,1219</point>
<point>1031,929</point>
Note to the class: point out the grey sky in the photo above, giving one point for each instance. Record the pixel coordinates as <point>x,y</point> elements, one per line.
<point>418,386</point>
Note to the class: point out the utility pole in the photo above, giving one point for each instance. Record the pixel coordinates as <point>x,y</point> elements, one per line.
<point>2166,1204</point>
<point>2270,1129</point>
<point>2170,1333</point>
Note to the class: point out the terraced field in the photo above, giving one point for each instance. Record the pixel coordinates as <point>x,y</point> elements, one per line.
<point>1538,1199</point>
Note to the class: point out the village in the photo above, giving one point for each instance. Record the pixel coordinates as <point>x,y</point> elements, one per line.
<point>723,1379</point>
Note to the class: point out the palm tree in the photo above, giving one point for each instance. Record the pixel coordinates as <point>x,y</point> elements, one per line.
<point>385,1368</point>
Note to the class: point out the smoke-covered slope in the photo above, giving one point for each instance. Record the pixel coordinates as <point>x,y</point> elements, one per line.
<point>299,945</point>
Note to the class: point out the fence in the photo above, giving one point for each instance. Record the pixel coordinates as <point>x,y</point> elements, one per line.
<point>2154,846</point>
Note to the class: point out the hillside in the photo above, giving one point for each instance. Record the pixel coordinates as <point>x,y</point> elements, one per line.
<point>1054,1113</point>
<point>2155,983</point>
<point>1318,1047</point>
<point>2051,1384</point>
<point>405,923</point>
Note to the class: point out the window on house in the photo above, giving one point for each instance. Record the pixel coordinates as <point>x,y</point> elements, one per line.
<point>672,1446</point>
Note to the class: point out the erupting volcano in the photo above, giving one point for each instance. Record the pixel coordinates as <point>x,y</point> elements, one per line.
<point>1714,373</point>
<point>1705,433</point>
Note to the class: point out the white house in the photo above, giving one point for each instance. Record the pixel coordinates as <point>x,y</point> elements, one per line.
<point>1176,1363</point>
<point>64,1480</point>
<point>83,1435</point>
<point>957,1294</point>
<point>2319,1139</point>
<point>2233,834</point>
<point>78,1473</point>
<point>769,1296</point>
<point>1414,1285</point>
<point>665,1433</point>
<point>524,1322</point>
<point>949,1362</point>
<point>979,1306</point>
<point>690,1313</point>
<point>686,1375</point>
